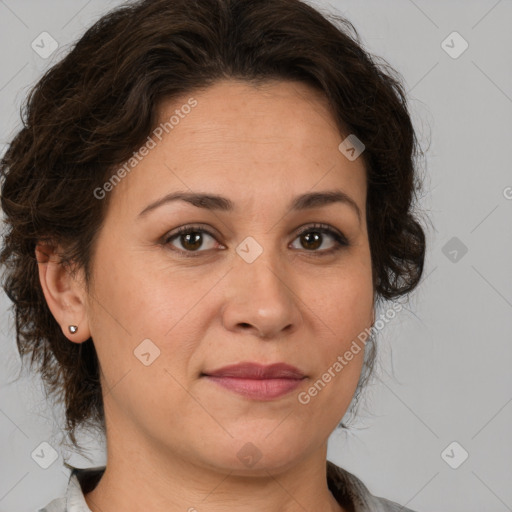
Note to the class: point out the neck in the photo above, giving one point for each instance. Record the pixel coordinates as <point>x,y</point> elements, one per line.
<point>151,478</point>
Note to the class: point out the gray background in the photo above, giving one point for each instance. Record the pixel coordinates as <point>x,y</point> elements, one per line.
<point>445,360</point>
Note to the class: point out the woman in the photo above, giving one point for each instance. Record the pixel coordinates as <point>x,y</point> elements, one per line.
<point>206,203</point>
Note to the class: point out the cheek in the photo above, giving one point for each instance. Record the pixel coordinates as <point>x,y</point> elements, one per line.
<point>135,298</point>
<point>343,310</point>
<point>344,300</point>
<point>130,294</point>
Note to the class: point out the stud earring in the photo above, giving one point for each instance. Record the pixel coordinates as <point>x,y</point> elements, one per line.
<point>72,329</point>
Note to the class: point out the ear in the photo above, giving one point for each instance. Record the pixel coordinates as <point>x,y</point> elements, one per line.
<point>65,293</point>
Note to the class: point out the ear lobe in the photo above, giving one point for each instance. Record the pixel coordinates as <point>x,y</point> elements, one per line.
<point>64,293</point>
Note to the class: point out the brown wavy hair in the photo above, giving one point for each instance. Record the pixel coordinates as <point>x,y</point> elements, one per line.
<point>97,105</point>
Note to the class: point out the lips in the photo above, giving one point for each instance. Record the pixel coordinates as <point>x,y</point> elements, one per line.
<point>257,371</point>
<point>256,381</point>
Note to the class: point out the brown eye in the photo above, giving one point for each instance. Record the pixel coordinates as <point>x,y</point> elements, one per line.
<point>190,239</point>
<point>311,240</point>
<point>314,237</point>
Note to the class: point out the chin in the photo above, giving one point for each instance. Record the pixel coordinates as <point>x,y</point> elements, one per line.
<point>257,453</point>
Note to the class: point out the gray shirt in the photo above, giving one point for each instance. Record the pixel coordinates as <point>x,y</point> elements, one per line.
<point>347,489</point>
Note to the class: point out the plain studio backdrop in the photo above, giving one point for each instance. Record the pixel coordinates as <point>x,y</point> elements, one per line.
<point>434,431</point>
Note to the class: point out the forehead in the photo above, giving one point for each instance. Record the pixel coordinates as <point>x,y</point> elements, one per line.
<point>255,111</point>
<point>255,141</point>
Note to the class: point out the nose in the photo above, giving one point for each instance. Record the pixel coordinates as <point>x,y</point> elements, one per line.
<point>260,299</point>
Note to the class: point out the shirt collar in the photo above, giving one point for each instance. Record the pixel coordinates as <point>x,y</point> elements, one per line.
<point>81,481</point>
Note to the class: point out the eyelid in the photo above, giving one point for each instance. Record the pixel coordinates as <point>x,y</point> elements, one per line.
<point>189,228</point>
<point>321,227</point>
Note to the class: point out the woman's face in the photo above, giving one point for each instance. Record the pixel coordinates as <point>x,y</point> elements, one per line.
<point>242,286</point>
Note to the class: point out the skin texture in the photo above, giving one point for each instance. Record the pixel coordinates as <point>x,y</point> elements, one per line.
<point>173,436</point>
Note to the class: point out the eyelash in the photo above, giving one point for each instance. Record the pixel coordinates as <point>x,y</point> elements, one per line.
<point>340,240</point>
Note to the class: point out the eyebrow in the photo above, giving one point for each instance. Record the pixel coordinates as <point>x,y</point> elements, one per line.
<point>219,203</point>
